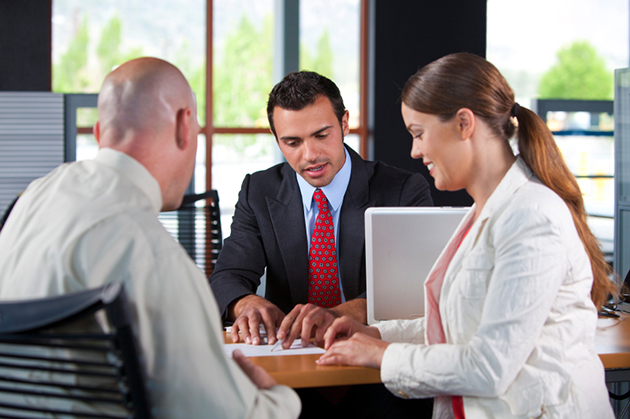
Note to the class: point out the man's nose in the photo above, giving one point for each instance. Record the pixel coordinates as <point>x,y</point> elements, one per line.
<point>311,150</point>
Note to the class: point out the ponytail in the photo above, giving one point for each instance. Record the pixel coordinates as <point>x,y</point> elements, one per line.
<point>465,80</point>
<point>538,149</point>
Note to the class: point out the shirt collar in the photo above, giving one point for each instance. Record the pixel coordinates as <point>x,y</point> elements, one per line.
<point>135,172</point>
<point>334,191</point>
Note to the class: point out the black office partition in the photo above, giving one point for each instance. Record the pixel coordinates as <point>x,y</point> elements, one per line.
<point>406,35</point>
<point>25,45</point>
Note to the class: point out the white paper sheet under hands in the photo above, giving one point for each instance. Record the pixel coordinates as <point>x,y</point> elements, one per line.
<point>265,350</point>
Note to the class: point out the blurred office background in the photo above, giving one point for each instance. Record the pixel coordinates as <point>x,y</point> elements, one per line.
<point>233,52</point>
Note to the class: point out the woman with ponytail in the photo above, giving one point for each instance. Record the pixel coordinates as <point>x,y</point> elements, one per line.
<point>511,303</point>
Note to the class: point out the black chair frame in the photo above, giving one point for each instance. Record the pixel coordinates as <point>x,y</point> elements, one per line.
<point>37,323</point>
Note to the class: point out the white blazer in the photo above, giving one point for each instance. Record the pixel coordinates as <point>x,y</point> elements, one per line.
<point>517,314</point>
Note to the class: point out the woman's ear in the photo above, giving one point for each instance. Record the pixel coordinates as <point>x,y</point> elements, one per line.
<point>465,122</point>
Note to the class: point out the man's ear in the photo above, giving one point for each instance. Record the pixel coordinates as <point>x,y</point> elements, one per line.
<point>465,122</point>
<point>96,130</point>
<point>345,127</point>
<point>182,128</point>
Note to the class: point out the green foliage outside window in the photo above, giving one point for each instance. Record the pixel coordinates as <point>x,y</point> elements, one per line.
<point>70,74</point>
<point>242,75</point>
<point>323,60</point>
<point>579,74</point>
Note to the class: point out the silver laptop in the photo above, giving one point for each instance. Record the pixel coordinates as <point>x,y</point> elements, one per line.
<point>402,244</point>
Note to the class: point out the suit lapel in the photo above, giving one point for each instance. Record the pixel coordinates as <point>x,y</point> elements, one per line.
<point>352,225</point>
<point>287,218</point>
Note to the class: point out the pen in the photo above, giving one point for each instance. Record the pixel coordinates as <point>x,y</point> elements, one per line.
<point>277,345</point>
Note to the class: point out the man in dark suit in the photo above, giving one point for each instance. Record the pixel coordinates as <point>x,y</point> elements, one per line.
<point>278,214</point>
<point>274,217</point>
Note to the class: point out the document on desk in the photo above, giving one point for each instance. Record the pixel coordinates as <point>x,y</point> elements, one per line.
<point>265,350</point>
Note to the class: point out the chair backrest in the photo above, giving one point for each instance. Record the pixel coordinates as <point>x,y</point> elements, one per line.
<point>52,363</point>
<point>197,228</point>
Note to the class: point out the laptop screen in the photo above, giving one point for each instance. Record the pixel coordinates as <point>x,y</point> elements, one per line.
<point>402,244</point>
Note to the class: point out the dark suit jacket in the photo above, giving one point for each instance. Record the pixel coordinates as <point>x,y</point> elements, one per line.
<point>268,231</point>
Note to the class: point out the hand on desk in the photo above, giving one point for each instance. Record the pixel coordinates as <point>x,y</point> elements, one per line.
<point>348,342</point>
<point>311,321</point>
<point>306,320</point>
<point>257,374</point>
<point>251,311</point>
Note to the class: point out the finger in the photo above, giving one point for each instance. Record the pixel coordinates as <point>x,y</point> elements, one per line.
<point>258,375</point>
<point>246,365</point>
<point>330,336</point>
<point>270,326</point>
<point>234,333</point>
<point>254,329</point>
<point>338,329</point>
<point>309,324</point>
<point>241,326</point>
<point>333,356</point>
<point>294,331</point>
<point>321,330</point>
<point>287,322</point>
<point>238,356</point>
<point>326,359</point>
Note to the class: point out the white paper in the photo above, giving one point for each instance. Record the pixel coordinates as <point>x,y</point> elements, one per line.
<point>265,350</point>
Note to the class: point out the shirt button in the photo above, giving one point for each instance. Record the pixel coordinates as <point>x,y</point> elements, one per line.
<point>403,394</point>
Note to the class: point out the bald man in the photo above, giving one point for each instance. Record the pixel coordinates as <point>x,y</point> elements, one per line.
<point>92,222</point>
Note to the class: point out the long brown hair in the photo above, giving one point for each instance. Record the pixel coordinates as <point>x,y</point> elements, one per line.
<point>465,80</point>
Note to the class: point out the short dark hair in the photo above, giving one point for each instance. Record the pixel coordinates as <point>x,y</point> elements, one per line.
<point>300,89</point>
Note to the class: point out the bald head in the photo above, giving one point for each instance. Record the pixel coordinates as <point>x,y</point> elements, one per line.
<point>141,97</point>
<point>147,110</point>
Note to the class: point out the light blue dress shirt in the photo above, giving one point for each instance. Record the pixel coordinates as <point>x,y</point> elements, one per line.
<point>334,191</point>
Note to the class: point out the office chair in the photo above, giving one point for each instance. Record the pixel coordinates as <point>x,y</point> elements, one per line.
<point>49,365</point>
<point>197,228</point>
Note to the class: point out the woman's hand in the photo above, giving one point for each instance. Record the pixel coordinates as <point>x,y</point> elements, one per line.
<point>344,327</point>
<point>359,350</point>
<point>351,343</point>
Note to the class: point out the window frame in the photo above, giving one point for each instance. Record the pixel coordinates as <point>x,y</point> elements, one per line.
<point>210,129</point>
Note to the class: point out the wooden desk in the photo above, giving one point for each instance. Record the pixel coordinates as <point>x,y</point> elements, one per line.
<point>299,371</point>
<point>612,343</point>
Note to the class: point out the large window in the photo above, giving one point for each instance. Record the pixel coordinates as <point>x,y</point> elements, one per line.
<point>90,38</point>
<point>568,49</point>
<point>225,49</point>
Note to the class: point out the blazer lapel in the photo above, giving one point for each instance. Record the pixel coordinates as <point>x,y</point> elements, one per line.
<point>287,219</point>
<point>352,225</point>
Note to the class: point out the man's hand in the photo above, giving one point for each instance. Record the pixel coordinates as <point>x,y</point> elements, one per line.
<point>257,374</point>
<point>311,321</point>
<point>251,311</point>
<point>307,320</point>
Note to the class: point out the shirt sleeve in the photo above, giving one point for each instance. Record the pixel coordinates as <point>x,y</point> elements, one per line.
<point>177,323</point>
<point>409,331</point>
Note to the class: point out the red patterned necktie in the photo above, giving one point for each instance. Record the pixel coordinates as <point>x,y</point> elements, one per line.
<point>323,274</point>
